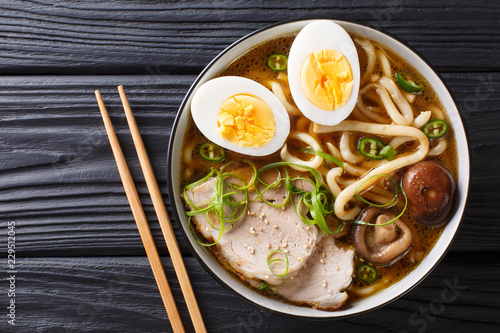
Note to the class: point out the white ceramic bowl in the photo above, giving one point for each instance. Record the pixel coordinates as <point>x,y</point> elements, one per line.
<point>381,298</point>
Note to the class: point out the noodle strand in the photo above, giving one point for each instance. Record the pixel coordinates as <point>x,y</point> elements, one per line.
<point>397,163</point>
<point>315,163</point>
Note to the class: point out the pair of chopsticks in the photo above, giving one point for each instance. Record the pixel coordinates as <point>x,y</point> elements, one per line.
<point>161,213</point>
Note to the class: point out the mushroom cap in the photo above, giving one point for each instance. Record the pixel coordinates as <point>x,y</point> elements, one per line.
<point>381,245</point>
<point>430,189</point>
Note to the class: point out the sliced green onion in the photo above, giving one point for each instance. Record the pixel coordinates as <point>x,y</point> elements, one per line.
<point>277,62</point>
<point>407,84</point>
<point>200,242</point>
<point>199,182</point>
<point>254,174</point>
<point>265,286</point>
<point>360,198</point>
<point>320,153</point>
<point>361,222</point>
<point>274,184</point>
<point>193,185</point>
<point>223,200</point>
<point>227,209</point>
<point>388,152</point>
<point>320,200</point>
<point>270,261</point>
<point>435,128</point>
<point>339,227</point>
<point>211,152</point>
<point>367,273</point>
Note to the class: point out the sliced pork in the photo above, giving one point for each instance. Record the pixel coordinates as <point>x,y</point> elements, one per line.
<point>322,283</point>
<point>263,228</point>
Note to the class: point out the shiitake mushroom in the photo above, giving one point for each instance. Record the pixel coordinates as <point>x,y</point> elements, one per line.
<point>430,189</point>
<point>381,245</point>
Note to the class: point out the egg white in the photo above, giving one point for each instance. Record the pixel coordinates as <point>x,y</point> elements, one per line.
<point>208,98</point>
<point>321,35</point>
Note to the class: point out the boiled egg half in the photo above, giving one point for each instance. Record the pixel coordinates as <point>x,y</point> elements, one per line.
<point>241,115</point>
<point>323,72</point>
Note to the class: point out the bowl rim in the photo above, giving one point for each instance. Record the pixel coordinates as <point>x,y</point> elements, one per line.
<point>173,194</point>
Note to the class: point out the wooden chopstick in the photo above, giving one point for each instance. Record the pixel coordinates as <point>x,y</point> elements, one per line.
<point>161,213</point>
<point>140,219</point>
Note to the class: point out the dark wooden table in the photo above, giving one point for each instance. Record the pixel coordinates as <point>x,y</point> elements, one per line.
<point>80,265</point>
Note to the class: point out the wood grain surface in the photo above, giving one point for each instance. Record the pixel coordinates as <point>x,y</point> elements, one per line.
<point>119,294</point>
<point>81,263</point>
<point>68,37</point>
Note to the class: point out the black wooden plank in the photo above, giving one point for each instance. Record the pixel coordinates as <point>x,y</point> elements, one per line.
<point>59,182</point>
<point>119,295</point>
<point>110,37</point>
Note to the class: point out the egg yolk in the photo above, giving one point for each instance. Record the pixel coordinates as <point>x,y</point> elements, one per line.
<point>326,78</point>
<point>246,121</point>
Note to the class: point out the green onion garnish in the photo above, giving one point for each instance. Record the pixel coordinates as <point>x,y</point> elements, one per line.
<point>388,152</point>
<point>223,206</point>
<point>270,261</point>
<point>265,286</point>
<point>360,198</point>
<point>320,153</point>
<point>319,200</point>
